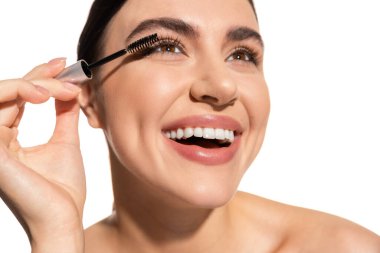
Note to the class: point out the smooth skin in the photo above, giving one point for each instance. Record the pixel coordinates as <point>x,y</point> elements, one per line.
<point>163,202</point>
<point>170,204</point>
<point>44,191</point>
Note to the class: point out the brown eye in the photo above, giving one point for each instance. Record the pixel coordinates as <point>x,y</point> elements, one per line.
<point>241,56</point>
<point>244,55</point>
<point>167,48</point>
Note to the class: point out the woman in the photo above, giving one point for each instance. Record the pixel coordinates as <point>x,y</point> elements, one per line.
<point>172,194</point>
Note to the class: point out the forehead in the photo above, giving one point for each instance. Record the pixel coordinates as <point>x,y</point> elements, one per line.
<point>207,15</point>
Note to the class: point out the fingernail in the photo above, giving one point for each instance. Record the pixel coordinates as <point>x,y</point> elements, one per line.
<point>57,61</point>
<point>71,87</point>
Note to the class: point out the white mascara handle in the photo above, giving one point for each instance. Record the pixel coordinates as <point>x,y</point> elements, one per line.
<point>77,73</point>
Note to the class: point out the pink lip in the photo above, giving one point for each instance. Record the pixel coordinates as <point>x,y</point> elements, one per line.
<point>206,156</point>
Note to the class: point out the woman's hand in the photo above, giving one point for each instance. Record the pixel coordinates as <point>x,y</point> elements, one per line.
<point>44,185</point>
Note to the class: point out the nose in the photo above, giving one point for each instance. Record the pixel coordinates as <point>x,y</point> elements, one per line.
<point>214,85</point>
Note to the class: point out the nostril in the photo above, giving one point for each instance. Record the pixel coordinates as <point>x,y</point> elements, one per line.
<point>217,102</point>
<point>210,99</point>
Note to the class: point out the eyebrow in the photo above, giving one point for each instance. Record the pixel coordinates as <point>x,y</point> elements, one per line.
<point>243,33</point>
<point>238,33</point>
<point>175,25</point>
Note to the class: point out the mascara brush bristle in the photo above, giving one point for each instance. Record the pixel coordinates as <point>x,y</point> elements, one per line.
<point>142,44</point>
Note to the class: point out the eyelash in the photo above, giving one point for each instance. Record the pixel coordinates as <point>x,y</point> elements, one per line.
<point>253,56</point>
<point>166,42</point>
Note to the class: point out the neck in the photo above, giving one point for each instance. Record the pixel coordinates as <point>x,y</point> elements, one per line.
<point>152,218</point>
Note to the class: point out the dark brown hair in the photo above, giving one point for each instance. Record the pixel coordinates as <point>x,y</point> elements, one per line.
<point>101,12</point>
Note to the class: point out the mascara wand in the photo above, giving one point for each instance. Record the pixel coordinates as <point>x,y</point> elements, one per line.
<point>81,71</point>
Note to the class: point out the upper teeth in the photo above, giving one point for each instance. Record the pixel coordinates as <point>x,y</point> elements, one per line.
<point>206,133</point>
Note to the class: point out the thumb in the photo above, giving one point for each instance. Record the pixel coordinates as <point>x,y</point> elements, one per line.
<point>67,119</point>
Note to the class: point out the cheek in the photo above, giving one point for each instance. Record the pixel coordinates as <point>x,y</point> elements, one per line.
<point>256,103</point>
<point>255,97</point>
<point>136,99</point>
<point>144,93</point>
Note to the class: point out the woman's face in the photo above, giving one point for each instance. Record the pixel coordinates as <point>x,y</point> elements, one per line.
<point>205,79</point>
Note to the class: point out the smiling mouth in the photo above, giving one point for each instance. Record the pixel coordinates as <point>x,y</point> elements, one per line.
<point>209,138</point>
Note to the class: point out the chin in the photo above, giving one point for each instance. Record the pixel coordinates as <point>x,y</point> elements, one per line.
<point>209,196</point>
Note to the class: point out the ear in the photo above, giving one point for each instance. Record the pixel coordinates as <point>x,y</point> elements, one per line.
<point>90,105</point>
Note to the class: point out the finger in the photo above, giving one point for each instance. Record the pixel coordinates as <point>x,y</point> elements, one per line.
<point>66,128</point>
<point>9,113</point>
<point>12,89</point>
<point>59,90</point>
<point>7,135</point>
<point>13,95</point>
<point>36,91</point>
<point>17,121</point>
<point>46,70</point>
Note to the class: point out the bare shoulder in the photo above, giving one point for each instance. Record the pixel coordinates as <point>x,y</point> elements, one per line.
<point>101,237</point>
<point>303,230</point>
<point>352,238</point>
<point>321,232</point>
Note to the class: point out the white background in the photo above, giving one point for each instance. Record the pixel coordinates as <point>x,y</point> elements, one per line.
<point>322,149</point>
